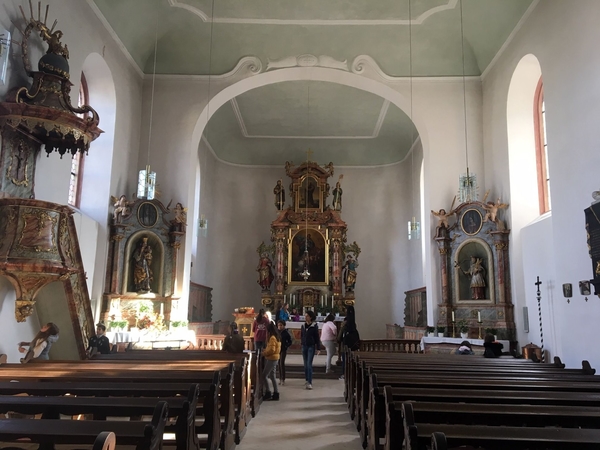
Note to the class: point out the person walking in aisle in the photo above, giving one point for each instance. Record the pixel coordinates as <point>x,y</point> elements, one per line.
<point>350,336</point>
<point>271,355</point>
<point>286,342</point>
<point>259,330</point>
<point>329,339</point>
<point>311,344</point>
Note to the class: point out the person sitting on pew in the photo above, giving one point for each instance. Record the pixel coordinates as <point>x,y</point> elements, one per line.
<point>99,343</point>
<point>234,343</point>
<point>465,349</point>
<point>39,347</point>
<point>492,348</point>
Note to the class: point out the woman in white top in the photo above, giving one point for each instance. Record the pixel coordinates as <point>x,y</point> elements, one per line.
<point>329,339</point>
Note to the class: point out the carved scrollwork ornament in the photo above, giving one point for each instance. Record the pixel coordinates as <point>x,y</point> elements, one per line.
<point>23,309</point>
<point>443,251</point>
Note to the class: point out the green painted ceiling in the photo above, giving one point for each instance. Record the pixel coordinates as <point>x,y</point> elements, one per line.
<point>193,39</point>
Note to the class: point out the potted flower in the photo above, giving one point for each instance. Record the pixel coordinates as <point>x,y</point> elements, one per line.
<point>430,331</point>
<point>493,331</point>
<point>463,327</point>
<point>440,331</point>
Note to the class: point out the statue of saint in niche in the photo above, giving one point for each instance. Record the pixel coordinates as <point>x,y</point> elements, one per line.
<point>476,273</point>
<point>142,273</point>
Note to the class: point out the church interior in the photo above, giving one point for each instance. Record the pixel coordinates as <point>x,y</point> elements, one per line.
<point>425,161</point>
<point>416,171</point>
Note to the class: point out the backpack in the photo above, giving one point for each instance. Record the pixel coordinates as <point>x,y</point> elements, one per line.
<point>351,340</point>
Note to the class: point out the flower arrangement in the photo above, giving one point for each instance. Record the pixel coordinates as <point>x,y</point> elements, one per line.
<point>430,329</point>
<point>117,324</point>
<point>145,322</point>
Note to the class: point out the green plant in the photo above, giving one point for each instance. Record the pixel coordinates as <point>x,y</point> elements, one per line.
<point>430,329</point>
<point>493,331</point>
<point>179,324</point>
<point>441,329</point>
<point>463,326</point>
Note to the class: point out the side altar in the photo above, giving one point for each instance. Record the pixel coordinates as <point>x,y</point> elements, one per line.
<point>309,263</point>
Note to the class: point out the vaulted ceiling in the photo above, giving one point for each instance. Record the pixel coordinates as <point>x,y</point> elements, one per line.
<point>278,122</point>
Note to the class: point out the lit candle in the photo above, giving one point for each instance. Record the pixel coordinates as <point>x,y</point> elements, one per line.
<point>452,316</point>
<point>283,298</point>
<point>479,316</point>
<point>162,308</point>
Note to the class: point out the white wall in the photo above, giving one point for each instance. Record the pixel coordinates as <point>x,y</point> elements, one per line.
<point>563,36</point>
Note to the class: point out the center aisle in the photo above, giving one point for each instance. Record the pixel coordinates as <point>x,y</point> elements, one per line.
<point>303,420</point>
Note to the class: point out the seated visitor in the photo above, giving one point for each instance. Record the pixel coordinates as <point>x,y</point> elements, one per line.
<point>492,348</point>
<point>99,343</point>
<point>465,349</point>
<point>234,343</point>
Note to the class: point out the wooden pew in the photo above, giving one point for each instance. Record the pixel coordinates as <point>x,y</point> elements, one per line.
<point>444,437</point>
<point>378,381</point>
<point>399,415</point>
<point>135,373</point>
<point>184,408</point>
<point>48,432</point>
<point>105,441</point>
<point>246,404</point>
<point>487,397</point>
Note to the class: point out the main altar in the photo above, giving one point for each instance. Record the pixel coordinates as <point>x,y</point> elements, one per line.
<point>309,263</point>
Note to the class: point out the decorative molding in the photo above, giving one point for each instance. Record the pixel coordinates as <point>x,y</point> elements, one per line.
<point>248,65</point>
<point>238,115</point>
<point>116,38</point>
<point>307,22</point>
<point>271,166</point>
<point>366,66</point>
<point>511,36</point>
<point>307,60</point>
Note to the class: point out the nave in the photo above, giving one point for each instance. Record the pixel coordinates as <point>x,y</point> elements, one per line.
<point>304,420</point>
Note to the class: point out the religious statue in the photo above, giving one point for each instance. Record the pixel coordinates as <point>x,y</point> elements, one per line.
<point>142,273</point>
<point>492,211</point>
<point>121,206</point>
<point>337,196</point>
<point>279,192</point>
<point>349,273</point>
<point>53,41</point>
<point>476,273</point>
<point>179,222</point>
<point>265,272</point>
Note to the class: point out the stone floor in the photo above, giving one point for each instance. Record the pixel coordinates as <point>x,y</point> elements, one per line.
<point>303,419</point>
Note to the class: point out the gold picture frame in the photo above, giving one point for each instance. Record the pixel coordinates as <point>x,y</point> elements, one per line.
<point>311,186</point>
<point>471,222</point>
<point>315,239</point>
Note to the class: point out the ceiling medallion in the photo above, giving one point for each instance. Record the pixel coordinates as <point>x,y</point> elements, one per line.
<point>43,111</point>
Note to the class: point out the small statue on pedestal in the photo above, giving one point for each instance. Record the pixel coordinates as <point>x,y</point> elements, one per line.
<point>265,272</point>
<point>179,222</point>
<point>121,206</point>
<point>142,273</point>
<point>337,195</point>
<point>350,273</point>
<point>443,224</point>
<point>279,192</point>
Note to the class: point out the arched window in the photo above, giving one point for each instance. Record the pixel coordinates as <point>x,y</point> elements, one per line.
<point>541,149</point>
<point>78,158</point>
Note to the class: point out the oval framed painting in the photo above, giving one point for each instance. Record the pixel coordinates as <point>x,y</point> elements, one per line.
<point>471,222</point>
<point>147,215</point>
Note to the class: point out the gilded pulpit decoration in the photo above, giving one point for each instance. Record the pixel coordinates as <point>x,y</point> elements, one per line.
<point>474,267</point>
<point>42,113</point>
<point>38,246</point>
<point>310,263</point>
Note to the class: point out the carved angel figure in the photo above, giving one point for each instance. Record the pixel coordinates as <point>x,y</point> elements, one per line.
<point>121,206</point>
<point>442,216</point>
<point>492,211</point>
<point>180,219</point>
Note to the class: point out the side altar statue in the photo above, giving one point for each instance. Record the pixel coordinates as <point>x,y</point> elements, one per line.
<point>308,264</point>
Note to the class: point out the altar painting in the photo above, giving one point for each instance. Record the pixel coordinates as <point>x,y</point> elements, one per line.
<point>318,256</point>
<point>309,193</point>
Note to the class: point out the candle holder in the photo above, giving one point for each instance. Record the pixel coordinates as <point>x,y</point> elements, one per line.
<point>479,337</point>
<point>453,329</point>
